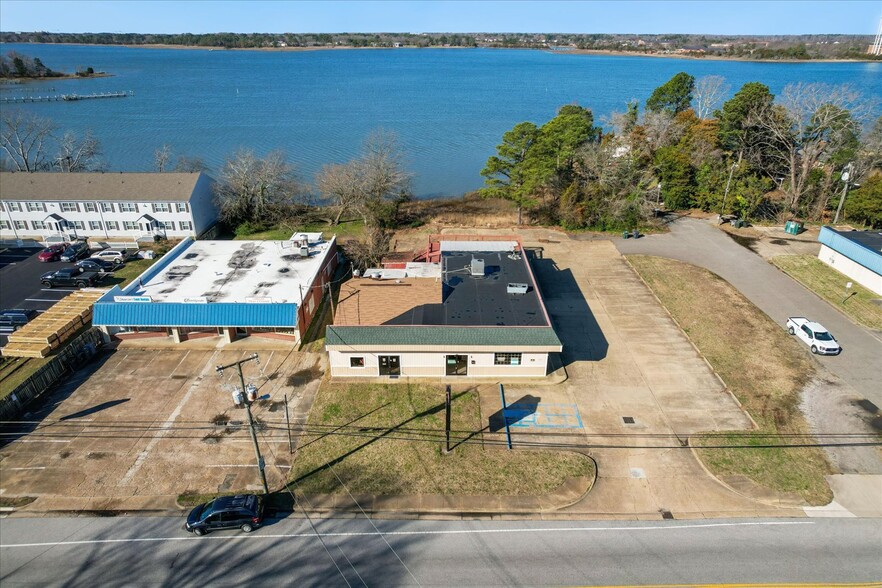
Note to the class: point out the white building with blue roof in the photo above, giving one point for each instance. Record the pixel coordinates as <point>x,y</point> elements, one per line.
<point>856,254</point>
<point>224,289</point>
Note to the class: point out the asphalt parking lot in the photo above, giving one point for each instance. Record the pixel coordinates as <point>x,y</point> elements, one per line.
<point>20,287</point>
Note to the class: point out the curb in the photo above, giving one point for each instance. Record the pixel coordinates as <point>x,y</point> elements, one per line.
<point>781,503</point>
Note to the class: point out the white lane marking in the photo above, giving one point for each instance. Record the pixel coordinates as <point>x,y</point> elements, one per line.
<point>157,437</point>
<point>42,441</point>
<point>42,299</point>
<point>58,289</point>
<point>408,533</point>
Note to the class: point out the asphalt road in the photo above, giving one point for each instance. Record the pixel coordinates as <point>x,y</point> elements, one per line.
<point>20,286</point>
<point>156,551</point>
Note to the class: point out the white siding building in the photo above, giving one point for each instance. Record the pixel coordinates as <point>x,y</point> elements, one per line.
<point>109,206</point>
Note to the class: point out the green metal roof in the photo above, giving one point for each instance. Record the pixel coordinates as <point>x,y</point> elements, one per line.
<point>465,336</point>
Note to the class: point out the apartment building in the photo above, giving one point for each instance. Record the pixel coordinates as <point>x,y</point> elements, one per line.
<point>53,207</point>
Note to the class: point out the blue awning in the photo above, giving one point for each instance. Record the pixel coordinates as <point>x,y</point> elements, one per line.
<point>185,314</point>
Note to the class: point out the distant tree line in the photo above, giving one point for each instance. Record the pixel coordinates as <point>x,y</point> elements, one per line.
<point>763,47</point>
<point>757,156</point>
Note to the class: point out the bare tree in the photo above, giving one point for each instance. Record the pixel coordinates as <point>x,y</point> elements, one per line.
<point>162,158</point>
<point>250,189</point>
<point>386,182</point>
<point>190,164</point>
<point>810,122</point>
<point>708,93</point>
<point>24,138</point>
<point>78,155</point>
<point>343,185</point>
<point>661,129</point>
<point>371,250</point>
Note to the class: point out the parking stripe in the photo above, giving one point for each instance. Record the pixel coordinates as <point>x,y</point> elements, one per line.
<point>42,299</point>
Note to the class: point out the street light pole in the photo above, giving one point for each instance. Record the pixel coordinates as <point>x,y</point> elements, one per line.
<point>238,366</point>
<point>726,193</point>
<point>846,176</point>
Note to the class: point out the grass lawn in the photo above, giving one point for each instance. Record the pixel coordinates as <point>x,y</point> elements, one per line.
<point>829,284</point>
<point>131,270</point>
<point>760,364</point>
<point>371,457</point>
<point>15,370</point>
<point>346,229</point>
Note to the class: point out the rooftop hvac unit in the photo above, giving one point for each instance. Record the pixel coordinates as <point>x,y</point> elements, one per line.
<point>514,288</point>
<point>477,267</point>
<point>304,251</point>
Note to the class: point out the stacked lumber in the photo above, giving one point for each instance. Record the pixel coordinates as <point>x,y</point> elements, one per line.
<point>53,328</point>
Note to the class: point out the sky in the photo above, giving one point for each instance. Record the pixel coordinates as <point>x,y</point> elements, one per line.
<point>574,16</point>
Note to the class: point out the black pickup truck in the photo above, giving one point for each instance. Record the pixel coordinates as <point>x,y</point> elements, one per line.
<point>70,276</point>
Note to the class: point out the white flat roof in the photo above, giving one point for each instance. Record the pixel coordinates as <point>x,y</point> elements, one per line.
<point>236,271</point>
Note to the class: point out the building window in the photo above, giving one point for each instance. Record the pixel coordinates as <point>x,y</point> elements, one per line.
<point>356,362</point>
<point>107,207</point>
<point>161,207</point>
<point>14,206</point>
<point>182,207</point>
<point>168,225</point>
<point>70,207</point>
<point>130,225</point>
<point>128,207</point>
<point>94,225</point>
<point>112,226</point>
<point>21,225</point>
<point>36,207</point>
<point>78,225</point>
<point>186,225</point>
<point>90,207</point>
<point>38,225</point>
<point>506,359</point>
<point>4,225</point>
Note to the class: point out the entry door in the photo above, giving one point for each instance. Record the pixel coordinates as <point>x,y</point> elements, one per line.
<point>457,365</point>
<point>390,365</point>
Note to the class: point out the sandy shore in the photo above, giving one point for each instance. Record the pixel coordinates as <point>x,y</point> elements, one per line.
<point>12,81</point>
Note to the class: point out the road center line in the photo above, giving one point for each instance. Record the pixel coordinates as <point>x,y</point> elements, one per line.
<point>407,533</point>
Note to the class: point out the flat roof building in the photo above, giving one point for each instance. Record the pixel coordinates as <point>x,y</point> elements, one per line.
<point>225,289</point>
<point>466,307</point>
<point>856,254</point>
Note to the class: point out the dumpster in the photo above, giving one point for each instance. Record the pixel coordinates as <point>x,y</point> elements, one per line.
<point>793,227</point>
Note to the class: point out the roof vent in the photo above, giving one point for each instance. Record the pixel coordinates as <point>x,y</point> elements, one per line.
<point>477,267</point>
<point>515,288</point>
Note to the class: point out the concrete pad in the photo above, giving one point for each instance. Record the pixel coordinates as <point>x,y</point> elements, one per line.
<point>861,495</point>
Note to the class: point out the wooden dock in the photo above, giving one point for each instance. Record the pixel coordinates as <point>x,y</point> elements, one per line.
<point>64,97</point>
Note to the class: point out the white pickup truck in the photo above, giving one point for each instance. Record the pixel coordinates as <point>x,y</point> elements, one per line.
<point>814,335</point>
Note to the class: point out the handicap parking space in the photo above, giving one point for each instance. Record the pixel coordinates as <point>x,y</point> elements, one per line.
<point>544,415</point>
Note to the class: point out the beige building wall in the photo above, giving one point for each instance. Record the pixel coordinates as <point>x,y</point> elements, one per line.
<point>433,364</point>
<point>855,271</point>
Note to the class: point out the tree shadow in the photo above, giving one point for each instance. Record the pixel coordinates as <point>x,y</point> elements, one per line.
<point>94,409</point>
<point>571,317</point>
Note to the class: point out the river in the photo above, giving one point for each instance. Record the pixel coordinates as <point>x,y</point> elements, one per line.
<point>448,107</point>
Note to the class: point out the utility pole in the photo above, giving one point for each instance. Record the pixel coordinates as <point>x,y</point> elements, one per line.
<point>846,176</point>
<point>447,418</point>
<point>247,402</point>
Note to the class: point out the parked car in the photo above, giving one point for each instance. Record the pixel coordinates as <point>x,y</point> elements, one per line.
<point>814,335</point>
<point>70,276</point>
<point>53,252</point>
<point>95,264</point>
<point>15,318</point>
<point>114,255</point>
<point>75,251</point>
<point>243,511</point>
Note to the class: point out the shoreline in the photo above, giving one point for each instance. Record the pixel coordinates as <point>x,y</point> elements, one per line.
<point>609,52</point>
